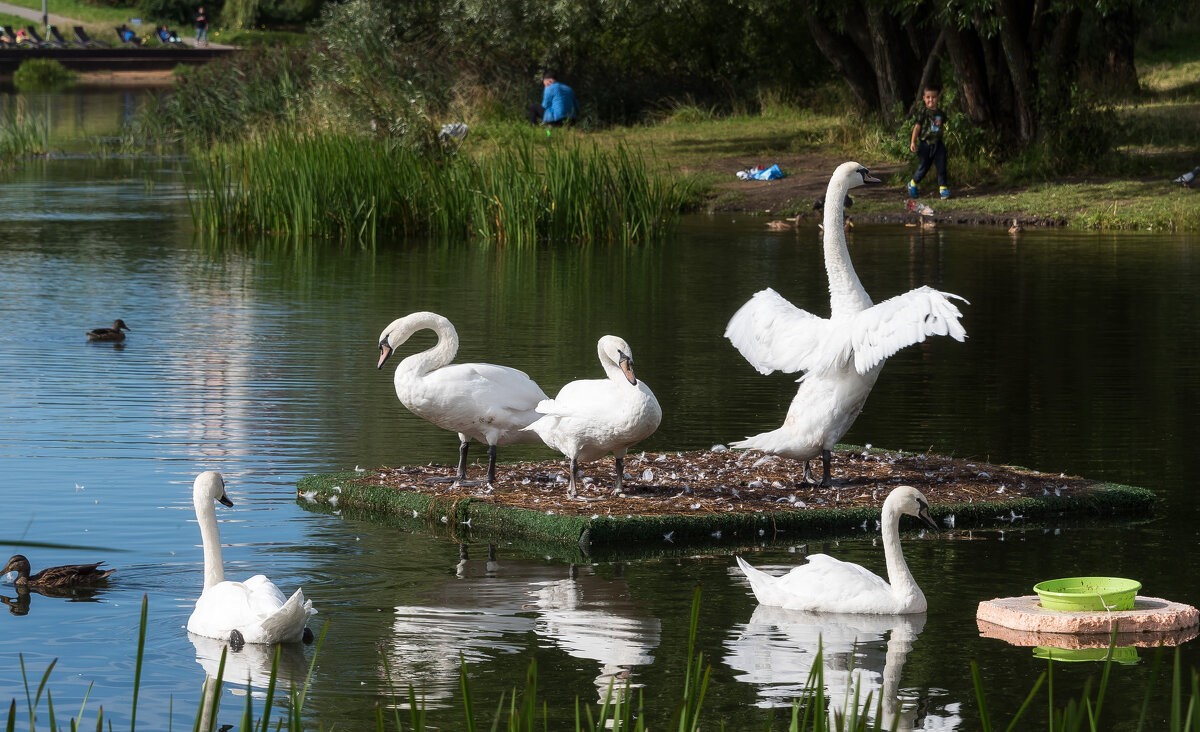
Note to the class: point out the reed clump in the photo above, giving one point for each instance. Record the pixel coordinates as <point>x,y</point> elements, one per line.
<point>21,133</point>
<point>350,187</point>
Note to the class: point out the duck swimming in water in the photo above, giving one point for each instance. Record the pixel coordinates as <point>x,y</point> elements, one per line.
<point>109,334</point>
<point>67,575</point>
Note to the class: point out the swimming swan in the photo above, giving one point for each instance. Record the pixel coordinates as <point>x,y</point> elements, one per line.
<point>490,403</point>
<point>254,611</point>
<point>841,355</point>
<point>593,417</point>
<point>830,585</point>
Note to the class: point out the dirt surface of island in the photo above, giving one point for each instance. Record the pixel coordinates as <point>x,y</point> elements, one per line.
<point>724,481</point>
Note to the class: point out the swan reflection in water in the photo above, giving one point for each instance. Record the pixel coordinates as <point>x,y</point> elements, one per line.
<point>777,649</point>
<point>249,668</point>
<point>492,607</point>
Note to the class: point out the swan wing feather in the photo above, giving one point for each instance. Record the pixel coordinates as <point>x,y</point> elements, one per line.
<point>880,331</point>
<point>775,335</point>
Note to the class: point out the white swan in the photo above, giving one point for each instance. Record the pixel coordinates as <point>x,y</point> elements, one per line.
<point>840,355</point>
<point>254,611</point>
<point>829,585</point>
<point>490,403</point>
<point>590,418</point>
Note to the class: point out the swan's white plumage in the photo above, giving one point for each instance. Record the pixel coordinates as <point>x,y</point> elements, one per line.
<point>830,585</point>
<point>841,355</point>
<point>256,608</point>
<point>590,418</point>
<point>481,401</point>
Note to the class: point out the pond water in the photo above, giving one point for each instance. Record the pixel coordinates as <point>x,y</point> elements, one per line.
<point>257,359</point>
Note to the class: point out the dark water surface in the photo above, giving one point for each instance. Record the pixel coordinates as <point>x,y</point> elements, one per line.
<point>259,360</point>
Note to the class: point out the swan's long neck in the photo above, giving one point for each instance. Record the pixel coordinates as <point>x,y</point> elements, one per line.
<point>442,353</point>
<point>900,578</point>
<point>846,293</point>
<point>210,535</point>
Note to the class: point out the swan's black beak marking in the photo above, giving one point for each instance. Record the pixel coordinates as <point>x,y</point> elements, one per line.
<point>626,364</point>
<point>224,501</point>
<point>867,177</point>
<point>923,514</point>
<point>385,352</point>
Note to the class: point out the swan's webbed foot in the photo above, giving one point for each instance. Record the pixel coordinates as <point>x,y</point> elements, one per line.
<point>826,457</point>
<point>307,636</point>
<point>491,474</point>
<point>236,640</point>
<point>808,478</point>
<point>461,477</point>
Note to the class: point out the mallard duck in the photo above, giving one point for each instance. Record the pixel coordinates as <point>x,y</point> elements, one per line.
<point>784,224</point>
<point>841,356</point>
<point>64,576</point>
<point>109,334</point>
<point>492,404</point>
<point>590,418</point>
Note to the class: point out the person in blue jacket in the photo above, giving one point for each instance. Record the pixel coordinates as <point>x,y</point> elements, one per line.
<point>558,104</point>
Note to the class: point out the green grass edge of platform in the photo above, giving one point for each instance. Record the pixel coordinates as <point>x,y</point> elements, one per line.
<point>500,522</point>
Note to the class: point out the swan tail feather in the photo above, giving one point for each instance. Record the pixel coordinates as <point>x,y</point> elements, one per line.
<point>287,623</point>
<point>761,583</point>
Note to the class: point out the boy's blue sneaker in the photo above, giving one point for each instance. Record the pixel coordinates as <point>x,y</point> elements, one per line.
<point>944,192</point>
<point>912,189</point>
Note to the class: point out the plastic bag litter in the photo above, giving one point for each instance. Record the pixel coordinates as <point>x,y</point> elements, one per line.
<point>758,172</point>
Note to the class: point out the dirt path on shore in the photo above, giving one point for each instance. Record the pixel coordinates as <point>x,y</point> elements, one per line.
<point>807,178</point>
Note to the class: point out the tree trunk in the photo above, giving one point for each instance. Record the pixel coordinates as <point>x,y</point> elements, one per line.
<point>847,60</point>
<point>887,52</point>
<point>1016,58</point>
<point>969,68</point>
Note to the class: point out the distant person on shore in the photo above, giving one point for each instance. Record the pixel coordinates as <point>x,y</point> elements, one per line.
<point>22,36</point>
<point>126,34</point>
<point>927,142</point>
<point>167,36</point>
<point>201,27</point>
<point>558,104</point>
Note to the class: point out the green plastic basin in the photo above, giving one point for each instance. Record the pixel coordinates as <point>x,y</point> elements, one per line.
<point>1080,594</point>
<point>1127,656</point>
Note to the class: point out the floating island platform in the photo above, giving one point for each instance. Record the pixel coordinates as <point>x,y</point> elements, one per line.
<point>715,497</point>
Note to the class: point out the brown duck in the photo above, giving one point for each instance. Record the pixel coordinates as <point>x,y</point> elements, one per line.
<point>109,334</point>
<point>64,576</point>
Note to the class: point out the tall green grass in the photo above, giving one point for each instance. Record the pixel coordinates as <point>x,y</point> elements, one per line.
<point>21,133</point>
<point>521,710</point>
<point>354,188</point>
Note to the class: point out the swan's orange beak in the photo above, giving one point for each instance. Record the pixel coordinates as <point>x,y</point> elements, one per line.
<point>924,515</point>
<point>385,352</point>
<point>626,365</point>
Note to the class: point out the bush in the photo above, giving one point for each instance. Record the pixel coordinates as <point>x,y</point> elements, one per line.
<point>40,74</point>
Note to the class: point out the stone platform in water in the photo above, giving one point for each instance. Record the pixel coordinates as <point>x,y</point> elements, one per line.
<point>1026,615</point>
<point>673,500</point>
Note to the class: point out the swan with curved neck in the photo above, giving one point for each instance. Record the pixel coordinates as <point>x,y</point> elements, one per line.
<point>590,418</point>
<point>841,356</point>
<point>254,611</point>
<point>482,401</point>
<point>830,585</point>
